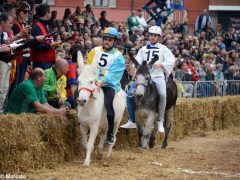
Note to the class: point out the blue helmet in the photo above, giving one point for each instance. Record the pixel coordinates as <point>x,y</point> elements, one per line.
<point>110,32</point>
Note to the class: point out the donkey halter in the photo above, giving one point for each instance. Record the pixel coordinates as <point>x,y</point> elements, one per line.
<point>89,90</point>
<point>142,84</point>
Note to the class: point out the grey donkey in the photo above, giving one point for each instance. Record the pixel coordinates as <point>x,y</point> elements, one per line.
<point>146,105</point>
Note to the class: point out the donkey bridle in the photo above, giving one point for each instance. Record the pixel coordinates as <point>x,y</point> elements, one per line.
<point>144,85</point>
<point>141,84</point>
<point>89,90</point>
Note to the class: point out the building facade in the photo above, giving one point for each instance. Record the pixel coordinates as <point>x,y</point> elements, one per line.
<point>225,12</point>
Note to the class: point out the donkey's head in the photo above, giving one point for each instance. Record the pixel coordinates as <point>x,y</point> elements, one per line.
<point>143,76</point>
<point>86,81</point>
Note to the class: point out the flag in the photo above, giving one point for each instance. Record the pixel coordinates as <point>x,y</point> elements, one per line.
<point>177,4</point>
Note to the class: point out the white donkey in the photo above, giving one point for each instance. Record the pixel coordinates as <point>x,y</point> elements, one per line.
<point>92,113</point>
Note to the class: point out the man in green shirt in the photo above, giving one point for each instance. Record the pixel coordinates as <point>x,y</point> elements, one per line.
<point>133,22</point>
<point>28,97</point>
<point>55,84</point>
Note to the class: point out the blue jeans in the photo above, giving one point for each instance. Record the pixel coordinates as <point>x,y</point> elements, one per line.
<point>130,102</point>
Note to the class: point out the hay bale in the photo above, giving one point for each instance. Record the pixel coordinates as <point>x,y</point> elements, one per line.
<point>193,116</point>
<point>35,141</point>
<point>230,112</point>
<point>31,141</point>
<point>201,115</point>
<point>126,137</point>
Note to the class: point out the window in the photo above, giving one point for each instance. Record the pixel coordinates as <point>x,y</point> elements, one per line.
<point>38,2</point>
<point>49,2</point>
<point>101,3</point>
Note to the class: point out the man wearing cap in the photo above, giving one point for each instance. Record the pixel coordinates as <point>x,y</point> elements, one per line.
<point>137,35</point>
<point>162,67</point>
<point>111,65</point>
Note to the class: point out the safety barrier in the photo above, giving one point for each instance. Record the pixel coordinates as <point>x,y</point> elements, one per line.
<point>204,89</point>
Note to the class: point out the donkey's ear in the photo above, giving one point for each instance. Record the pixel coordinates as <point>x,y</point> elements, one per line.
<point>154,59</point>
<point>80,61</point>
<point>136,64</point>
<point>78,71</point>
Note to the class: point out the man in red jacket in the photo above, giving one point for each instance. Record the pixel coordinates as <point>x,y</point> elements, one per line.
<point>43,55</point>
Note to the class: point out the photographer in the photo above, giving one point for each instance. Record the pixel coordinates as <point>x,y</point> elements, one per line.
<point>20,26</point>
<point>5,56</point>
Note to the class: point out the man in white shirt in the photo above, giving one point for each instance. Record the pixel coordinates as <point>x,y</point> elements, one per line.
<point>202,21</point>
<point>141,20</point>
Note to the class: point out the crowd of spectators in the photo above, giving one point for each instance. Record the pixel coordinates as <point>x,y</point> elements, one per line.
<point>208,54</point>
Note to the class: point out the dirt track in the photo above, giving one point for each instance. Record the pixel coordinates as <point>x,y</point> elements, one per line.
<point>215,155</point>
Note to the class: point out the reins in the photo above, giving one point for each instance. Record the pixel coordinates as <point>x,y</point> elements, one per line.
<point>137,84</point>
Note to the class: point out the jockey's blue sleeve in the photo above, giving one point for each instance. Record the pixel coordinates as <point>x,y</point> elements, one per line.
<point>114,76</point>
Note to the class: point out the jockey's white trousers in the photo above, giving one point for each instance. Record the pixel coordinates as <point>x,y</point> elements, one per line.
<point>162,91</point>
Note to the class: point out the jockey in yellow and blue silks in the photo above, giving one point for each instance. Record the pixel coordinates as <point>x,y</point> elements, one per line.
<point>111,65</point>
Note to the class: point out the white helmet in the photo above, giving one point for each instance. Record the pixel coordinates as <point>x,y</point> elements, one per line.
<point>155,30</point>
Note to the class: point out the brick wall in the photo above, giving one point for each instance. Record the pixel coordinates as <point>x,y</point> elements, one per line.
<point>126,4</point>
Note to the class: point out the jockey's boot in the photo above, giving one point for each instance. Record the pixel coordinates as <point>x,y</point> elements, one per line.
<point>110,139</point>
<point>160,127</point>
<point>129,125</point>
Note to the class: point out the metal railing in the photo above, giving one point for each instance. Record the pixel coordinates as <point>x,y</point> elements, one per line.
<point>204,89</point>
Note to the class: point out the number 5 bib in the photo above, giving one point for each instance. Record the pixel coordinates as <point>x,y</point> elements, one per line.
<point>105,61</point>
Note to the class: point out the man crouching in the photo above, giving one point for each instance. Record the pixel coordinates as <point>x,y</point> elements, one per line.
<point>28,97</point>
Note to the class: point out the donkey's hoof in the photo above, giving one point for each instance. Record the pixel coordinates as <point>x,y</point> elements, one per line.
<point>140,148</point>
<point>151,144</point>
<point>164,146</point>
<point>145,147</point>
<point>108,155</point>
<point>86,163</point>
<point>139,145</point>
<point>100,155</point>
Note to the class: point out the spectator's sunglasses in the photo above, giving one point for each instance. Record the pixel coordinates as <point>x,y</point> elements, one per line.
<point>26,11</point>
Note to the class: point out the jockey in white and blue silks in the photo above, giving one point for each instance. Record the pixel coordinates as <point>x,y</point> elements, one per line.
<point>162,67</point>
<point>111,65</point>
